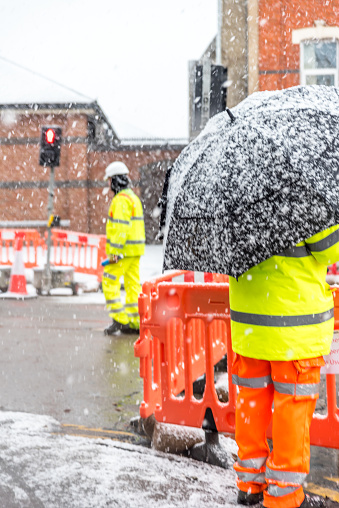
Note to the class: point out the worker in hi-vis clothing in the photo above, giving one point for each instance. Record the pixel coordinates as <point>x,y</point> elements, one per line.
<point>282,323</point>
<point>125,243</point>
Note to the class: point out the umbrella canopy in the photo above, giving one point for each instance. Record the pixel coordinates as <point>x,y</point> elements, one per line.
<point>251,186</point>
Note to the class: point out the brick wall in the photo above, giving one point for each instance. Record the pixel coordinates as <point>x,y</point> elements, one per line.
<point>278,57</point>
<point>80,193</point>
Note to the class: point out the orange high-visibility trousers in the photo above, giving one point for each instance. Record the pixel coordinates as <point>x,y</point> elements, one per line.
<point>293,388</point>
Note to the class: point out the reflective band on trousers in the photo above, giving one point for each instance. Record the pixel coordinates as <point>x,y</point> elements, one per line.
<point>116,300</point>
<point>252,463</point>
<point>109,276</point>
<point>118,221</point>
<point>281,321</point>
<point>134,242</point>
<point>251,477</point>
<point>296,389</point>
<point>275,491</point>
<point>285,476</point>
<point>325,243</point>
<point>252,382</point>
<point>116,311</point>
<point>295,252</point>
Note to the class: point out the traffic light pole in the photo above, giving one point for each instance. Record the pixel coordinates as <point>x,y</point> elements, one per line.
<point>47,283</point>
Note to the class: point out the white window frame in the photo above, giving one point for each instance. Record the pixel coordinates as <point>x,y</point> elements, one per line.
<point>317,72</point>
<point>316,34</point>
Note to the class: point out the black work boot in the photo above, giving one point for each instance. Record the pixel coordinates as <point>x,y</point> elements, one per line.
<point>248,499</point>
<point>313,502</point>
<point>113,329</point>
<point>128,330</point>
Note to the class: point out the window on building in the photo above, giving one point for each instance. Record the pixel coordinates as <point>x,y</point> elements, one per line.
<point>319,62</point>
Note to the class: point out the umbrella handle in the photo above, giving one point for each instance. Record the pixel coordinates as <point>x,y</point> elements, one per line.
<point>230,114</point>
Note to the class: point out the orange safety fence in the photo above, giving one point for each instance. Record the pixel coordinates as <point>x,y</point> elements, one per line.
<point>83,251</point>
<point>32,242</point>
<point>184,331</point>
<point>163,332</point>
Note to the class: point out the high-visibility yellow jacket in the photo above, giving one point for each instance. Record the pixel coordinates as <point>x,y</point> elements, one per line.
<point>282,309</point>
<point>125,228</point>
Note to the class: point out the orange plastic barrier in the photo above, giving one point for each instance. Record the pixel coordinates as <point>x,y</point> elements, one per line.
<point>82,251</point>
<point>31,239</point>
<point>325,429</point>
<point>173,335</point>
<point>184,332</point>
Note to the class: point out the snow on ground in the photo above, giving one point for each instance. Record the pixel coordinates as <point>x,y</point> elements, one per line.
<point>41,468</point>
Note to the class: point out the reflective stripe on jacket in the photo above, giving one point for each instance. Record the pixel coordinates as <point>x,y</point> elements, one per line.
<point>125,228</point>
<point>282,309</point>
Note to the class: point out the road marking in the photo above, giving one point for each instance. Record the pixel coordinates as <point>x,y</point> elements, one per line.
<point>332,479</point>
<point>82,428</point>
<point>322,491</point>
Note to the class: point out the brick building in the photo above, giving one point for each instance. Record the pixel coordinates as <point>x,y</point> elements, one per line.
<point>270,45</point>
<point>89,144</point>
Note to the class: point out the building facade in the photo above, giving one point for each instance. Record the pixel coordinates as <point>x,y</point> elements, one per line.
<point>89,144</point>
<point>270,45</point>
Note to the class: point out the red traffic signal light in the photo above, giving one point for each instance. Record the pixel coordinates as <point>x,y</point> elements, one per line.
<point>50,136</point>
<point>50,145</point>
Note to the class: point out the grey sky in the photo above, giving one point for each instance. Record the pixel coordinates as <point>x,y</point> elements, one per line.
<point>130,55</point>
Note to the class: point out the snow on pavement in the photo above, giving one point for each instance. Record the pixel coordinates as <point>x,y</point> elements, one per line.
<point>43,469</point>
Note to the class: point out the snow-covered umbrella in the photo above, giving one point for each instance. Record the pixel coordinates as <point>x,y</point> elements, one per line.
<point>258,179</point>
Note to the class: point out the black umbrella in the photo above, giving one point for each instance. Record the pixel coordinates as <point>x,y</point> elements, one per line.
<point>256,181</point>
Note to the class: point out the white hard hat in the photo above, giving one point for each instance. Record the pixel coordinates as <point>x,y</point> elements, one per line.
<point>116,168</point>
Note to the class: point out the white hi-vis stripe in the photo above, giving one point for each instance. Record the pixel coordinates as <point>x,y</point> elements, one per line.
<point>285,476</point>
<point>251,477</point>
<point>116,300</point>
<point>109,276</point>
<point>297,389</point>
<point>275,491</point>
<point>252,463</point>
<point>325,243</point>
<point>118,221</point>
<point>281,321</point>
<point>253,382</point>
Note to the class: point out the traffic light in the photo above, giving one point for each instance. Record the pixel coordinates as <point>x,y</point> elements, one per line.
<point>206,106</point>
<point>218,90</point>
<point>50,144</point>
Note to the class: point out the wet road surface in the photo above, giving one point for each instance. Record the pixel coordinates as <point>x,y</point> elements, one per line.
<point>56,360</point>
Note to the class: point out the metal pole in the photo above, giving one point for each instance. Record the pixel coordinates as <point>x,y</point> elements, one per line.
<point>48,275</point>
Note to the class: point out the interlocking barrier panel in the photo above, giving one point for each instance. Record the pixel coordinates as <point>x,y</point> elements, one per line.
<point>184,332</point>
<point>182,338</point>
<point>32,247</point>
<point>84,252</point>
